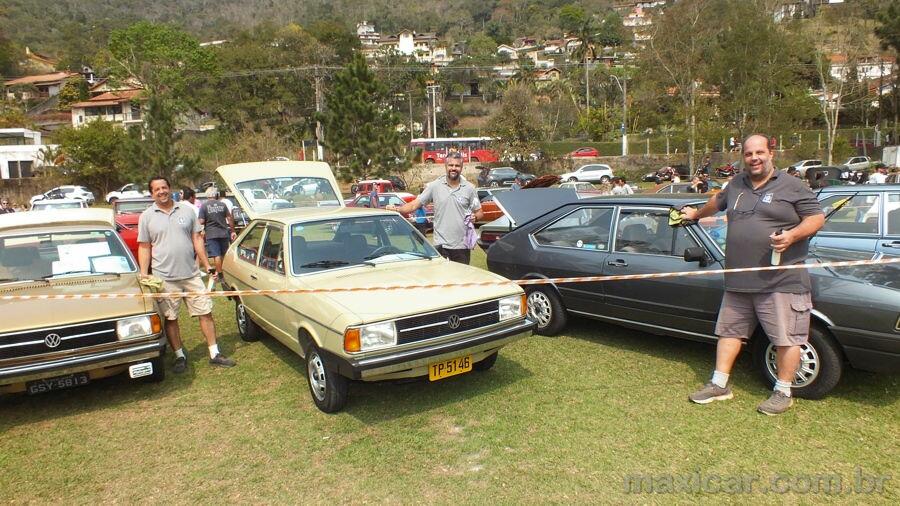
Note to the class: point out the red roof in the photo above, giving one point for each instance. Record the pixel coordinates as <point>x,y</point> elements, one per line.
<point>110,98</point>
<point>41,79</point>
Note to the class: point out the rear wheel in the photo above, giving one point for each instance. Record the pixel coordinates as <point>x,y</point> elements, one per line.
<point>495,184</point>
<point>248,330</point>
<point>327,388</point>
<point>604,179</point>
<point>546,309</point>
<point>821,364</point>
<point>573,179</point>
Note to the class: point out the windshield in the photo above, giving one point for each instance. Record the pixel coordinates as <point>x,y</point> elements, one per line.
<point>342,242</point>
<point>285,192</point>
<point>132,207</point>
<point>43,206</point>
<point>41,256</point>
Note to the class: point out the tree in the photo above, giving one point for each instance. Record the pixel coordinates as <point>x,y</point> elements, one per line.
<point>360,128</point>
<point>517,124</point>
<point>889,33</point>
<point>74,90</point>
<point>9,57</point>
<point>95,155</point>
<point>576,23</point>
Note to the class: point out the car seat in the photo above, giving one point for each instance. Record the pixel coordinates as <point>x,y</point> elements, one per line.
<point>634,238</point>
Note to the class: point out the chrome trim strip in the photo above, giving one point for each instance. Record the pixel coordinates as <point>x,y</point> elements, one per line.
<point>89,322</point>
<point>447,321</point>
<point>497,300</point>
<point>29,343</point>
<point>643,324</point>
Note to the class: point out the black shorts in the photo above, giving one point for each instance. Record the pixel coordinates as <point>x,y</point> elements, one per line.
<point>456,255</point>
<point>216,247</point>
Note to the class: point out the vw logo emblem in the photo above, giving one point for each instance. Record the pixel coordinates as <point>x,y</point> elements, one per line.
<point>52,340</point>
<point>453,321</point>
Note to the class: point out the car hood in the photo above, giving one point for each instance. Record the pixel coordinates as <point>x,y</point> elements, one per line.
<point>523,206</point>
<point>372,306</point>
<point>39,313</point>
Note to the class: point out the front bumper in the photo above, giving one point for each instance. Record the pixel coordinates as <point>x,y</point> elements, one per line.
<point>124,354</point>
<point>408,361</point>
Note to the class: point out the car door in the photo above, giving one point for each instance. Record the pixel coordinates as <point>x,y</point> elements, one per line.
<point>270,274</point>
<point>576,244</point>
<point>855,225</point>
<point>890,245</point>
<point>644,243</point>
<point>245,275</point>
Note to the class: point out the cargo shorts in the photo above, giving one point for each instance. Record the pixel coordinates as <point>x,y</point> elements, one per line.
<point>198,305</point>
<point>784,316</point>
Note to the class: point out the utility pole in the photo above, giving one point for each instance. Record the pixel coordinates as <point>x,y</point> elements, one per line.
<point>623,87</point>
<point>411,133</point>
<point>587,85</point>
<point>320,134</point>
<point>433,91</point>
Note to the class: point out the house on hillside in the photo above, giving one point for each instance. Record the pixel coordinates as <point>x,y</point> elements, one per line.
<point>38,87</point>
<point>21,151</point>
<point>547,75</point>
<point>409,43</point>
<point>120,106</point>
<point>868,67</point>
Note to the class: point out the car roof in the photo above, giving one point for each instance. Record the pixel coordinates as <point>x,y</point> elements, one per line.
<point>56,218</point>
<point>373,181</point>
<point>860,188</point>
<point>58,201</point>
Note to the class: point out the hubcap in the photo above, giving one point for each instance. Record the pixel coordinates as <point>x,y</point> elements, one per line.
<point>241,319</point>
<point>316,375</point>
<point>539,308</point>
<point>807,372</point>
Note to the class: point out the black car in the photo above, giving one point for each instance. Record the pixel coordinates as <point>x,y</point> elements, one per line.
<point>855,318</point>
<point>502,176</point>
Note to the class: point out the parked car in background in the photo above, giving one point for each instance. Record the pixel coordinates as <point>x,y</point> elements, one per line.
<point>713,187</point>
<point>667,173</point>
<point>126,214</point>
<point>584,153</point>
<point>399,184</point>
<point>54,344</point>
<point>855,309</point>
<point>866,219</point>
<point>592,173</point>
<point>365,186</point>
<point>48,204</point>
<point>394,199</point>
<point>359,335</point>
<point>504,176</point>
<point>802,165</point>
<point>66,192</point>
<point>856,163</point>
<point>129,191</point>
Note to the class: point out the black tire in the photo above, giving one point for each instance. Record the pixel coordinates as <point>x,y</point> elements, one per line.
<point>822,364</point>
<point>495,184</point>
<point>604,179</point>
<point>546,309</point>
<point>159,370</point>
<point>247,328</point>
<point>327,388</point>
<point>573,179</point>
<point>113,200</point>
<point>486,363</point>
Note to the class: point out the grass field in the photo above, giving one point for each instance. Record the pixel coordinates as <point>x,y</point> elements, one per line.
<point>573,418</point>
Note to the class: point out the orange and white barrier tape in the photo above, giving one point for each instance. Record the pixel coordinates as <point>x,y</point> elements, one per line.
<point>523,282</point>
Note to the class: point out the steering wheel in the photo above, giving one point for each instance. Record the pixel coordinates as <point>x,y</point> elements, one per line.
<point>386,250</point>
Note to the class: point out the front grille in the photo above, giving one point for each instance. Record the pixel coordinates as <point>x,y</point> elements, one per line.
<point>418,328</point>
<point>34,342</point>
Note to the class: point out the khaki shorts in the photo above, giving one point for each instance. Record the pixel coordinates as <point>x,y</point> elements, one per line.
<point>197,306</point>
<point>784,316</point>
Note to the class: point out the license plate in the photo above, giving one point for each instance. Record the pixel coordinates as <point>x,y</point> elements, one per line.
<point>447,368</point>
<point>140,370</point>
<point>57,383</point>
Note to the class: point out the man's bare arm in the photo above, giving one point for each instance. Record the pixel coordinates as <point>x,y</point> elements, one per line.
<point>807,227</point>
<point>144,258</point>
<point>710,208</point>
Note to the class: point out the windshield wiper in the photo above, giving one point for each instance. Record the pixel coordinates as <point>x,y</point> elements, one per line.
<point>326,263</point>
<point>79,271</point>
<point>385,253</point>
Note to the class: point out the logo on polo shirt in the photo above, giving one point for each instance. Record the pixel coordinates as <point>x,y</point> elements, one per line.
<point>767,198</point>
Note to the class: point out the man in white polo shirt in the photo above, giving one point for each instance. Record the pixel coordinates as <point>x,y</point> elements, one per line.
<point>168,239</point>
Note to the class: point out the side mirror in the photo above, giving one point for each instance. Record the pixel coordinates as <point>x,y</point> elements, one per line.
<point>696,254</point>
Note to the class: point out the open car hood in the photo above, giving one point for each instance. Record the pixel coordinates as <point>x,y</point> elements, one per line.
<point>522,206</point>
<point>262,187</point>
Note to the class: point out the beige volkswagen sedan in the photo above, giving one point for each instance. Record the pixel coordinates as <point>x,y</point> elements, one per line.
<point>302,237</point>
<point>52,344</point>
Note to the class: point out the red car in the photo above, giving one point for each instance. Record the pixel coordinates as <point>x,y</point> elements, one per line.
<point>395,199</point>
<point>584,153</point>
<point>128,211</point>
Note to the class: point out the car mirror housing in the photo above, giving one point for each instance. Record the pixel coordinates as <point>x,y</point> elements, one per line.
<point>696,254</point>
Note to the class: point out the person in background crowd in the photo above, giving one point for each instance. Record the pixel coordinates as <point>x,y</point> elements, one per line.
<point>620,188</point>
<point>792,171</point>
<point>767,211</point>
<point>483,173</point>
<point>698,185</point>
<point>373,196</point>
<point>456,206</point>
<point>5,208</point>
<point>168,239</point>
<point>190,196</point>
<point>517,183</point>
<point>705,168</point>
<point>879,176</point>
<point>218,226</point>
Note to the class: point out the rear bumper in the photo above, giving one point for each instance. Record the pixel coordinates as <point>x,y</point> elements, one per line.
<point>125,354</point>
<point>371,368</point>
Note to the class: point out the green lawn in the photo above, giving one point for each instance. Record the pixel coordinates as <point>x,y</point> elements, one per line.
<point>558,419</point>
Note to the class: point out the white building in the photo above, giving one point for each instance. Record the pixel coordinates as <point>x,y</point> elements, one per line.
<point>121,107</point>
<point>20,152</point>
<point>867,67</point>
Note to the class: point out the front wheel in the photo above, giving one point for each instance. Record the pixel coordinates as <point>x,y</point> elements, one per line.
<point>112,200</point>
<point>247,328</point>
<point>546,309</point>
<point>328,388</point>
<point>573,179</point>
<point>604,179</point>
<point>821,364</point>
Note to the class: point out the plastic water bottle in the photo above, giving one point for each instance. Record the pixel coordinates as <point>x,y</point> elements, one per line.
<point>776,255</point>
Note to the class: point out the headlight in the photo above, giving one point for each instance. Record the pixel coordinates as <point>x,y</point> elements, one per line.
<point>512,307</point>
<point>139,326</point>
<point>370,337</point>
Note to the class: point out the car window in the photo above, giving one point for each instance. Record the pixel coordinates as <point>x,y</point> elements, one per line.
<point>857,214</point>
<point>362,201</point>
<point>83,252</point>
<point>648,231</point>
<point>272,257</point>
<point>248,249</point>
<point>585,228</point>
<point>892,212</point>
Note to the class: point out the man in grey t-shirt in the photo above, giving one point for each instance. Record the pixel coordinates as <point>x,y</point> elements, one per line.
<point>770,218</point>
<point>168,239</point>
<point>454,199</point>
<point>218,226</point>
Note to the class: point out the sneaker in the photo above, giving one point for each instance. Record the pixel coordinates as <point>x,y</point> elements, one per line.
<point>776,404</point>
<point>222,361</point>
<point>180,365</point>
<point>709,393</point>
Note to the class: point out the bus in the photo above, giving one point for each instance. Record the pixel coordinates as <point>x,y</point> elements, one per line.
<point>473,149</point>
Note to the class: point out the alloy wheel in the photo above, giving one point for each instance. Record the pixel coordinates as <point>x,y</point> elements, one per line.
<point>807,372</point>
<point>539,308</point>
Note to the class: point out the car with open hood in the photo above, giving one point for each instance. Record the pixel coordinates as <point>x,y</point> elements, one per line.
<point>855,315</point>
<point>335,253</point>
<point>53,344</point>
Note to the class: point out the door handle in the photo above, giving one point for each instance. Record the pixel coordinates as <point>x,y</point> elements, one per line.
<point>617,263</point>
<point>253,277</point>
<point>892,244</point>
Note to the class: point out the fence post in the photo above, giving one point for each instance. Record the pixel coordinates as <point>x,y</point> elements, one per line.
<point>648,146</point>
<point>819,144</point>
